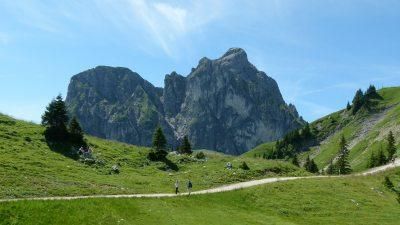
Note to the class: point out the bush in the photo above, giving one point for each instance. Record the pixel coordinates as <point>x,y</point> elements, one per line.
<point>159,155</point>
<point>114,169</point>
<point>244,166</point>
<point>200,155</point>
<point>28,139</point>
<point>388,183</point>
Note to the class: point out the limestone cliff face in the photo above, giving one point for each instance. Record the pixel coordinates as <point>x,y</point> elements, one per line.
<point>224,104</point>
<point>116,103</point>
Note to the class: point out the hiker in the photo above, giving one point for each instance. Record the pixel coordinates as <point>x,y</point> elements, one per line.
<point>176,187</point>
<point>189,186</point>
<point>229,165</point>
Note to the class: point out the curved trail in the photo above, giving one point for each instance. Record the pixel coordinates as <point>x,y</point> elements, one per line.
<point>229,187</point>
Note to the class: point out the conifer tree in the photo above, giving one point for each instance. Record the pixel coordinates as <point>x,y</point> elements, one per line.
<point>371,92</point>
<point>186,147</point>
<point>381,158</point>
<point>358,101</point>
<point>331,168</point>
<point>313,167</point>
<point>55,120</point>
<point>391,145</point>
<point>295,161</point>
<point>342,163</point>
<point>373,160</point>
<point>76,133</point>
<point>348,106</point>
<point>310,165</point>
<point>159,141</point>
<point>159,145</point>
<point>306,131</point>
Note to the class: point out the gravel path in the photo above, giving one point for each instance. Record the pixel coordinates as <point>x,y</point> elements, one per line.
<point>229,187</point>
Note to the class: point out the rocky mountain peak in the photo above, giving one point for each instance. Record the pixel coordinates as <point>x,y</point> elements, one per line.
<point>234,55</point>
<point>224,104</point>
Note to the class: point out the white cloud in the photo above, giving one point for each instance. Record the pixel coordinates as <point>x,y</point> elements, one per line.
<point>176,16</point>
<point>168,24</point>
<point>152,23</point>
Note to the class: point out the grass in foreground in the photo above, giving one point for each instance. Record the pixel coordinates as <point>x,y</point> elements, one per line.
<point>350,200</point>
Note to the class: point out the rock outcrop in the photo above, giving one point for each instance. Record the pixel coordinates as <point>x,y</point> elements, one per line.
<point>224,104</point>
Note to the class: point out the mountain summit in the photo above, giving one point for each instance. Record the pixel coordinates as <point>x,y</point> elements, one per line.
<point>224,104</point>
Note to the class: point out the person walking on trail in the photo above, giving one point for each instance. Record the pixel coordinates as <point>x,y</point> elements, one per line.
<point>176,187</point>
<point>189,186</point>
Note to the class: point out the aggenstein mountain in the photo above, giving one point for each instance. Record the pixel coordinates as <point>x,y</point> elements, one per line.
<point>225,104</point>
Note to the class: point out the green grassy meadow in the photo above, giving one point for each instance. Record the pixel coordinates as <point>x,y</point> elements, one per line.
<point>348,200</point>
<point>28,167</point>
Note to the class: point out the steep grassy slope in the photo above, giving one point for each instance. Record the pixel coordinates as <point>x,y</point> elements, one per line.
<point>28,167</point>
<point>365,132</point>
<point>348,200</point>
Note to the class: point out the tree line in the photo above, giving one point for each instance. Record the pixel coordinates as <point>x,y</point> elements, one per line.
<point>363,100</point>
<point>380,158</point>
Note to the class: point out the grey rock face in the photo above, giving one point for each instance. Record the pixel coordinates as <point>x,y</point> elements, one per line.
<point>117,104</point>
<point>224,104</point>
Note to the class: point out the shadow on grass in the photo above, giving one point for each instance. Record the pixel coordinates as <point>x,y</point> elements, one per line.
<point>64,148</point>
<point>169,165</point>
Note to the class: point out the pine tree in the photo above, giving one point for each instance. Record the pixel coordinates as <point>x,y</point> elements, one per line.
<point>342,163</point>
<point>307,163</point>
<point>159,141</point>
<point>55,120</point>
<point>159,146</point>
<point>348,106</point>
<point>295,161</point>
<point>186,147</point>
<point>358,101</point>
<point>310,165</point>
<point>391,147</point>
<point>381,158</point>
<point>373,160</point>
<point>371,92</point>
<point>306,131</point>
<point>331,168</point>
<point>313,168</point>
<point>76,133</point>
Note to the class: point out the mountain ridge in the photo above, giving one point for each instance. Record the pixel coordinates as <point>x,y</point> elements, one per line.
<point>224,104</point>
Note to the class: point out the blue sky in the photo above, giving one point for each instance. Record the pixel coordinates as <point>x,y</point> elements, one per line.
<point>319,52</point>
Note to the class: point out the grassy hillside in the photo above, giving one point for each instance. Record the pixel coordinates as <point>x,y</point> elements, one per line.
<point>365,132</point>
<point>349,200</point>
<point>28,167</point>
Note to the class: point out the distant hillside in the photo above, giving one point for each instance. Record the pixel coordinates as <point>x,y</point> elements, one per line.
<point>224,104</point>
<point>366,132</point>
<point>28,167</point>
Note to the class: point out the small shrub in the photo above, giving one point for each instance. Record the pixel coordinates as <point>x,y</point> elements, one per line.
<point>244,166</point>
<point>115,169</point>
<point>200,155</point>
<point>159,155</point>
<point>398,197</point>
<point>388,183</point>
<point>27,139</point>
